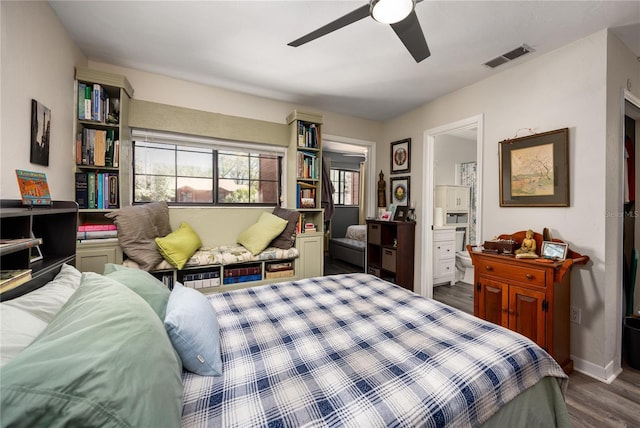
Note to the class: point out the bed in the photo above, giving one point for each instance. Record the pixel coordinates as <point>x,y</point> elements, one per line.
<point>351,248</point>
<point>341,350</point>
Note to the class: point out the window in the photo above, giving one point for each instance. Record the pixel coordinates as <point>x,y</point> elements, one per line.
<point>177,170</point>
<point>347,187</point>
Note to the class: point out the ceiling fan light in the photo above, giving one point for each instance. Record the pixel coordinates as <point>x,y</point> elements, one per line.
<point>391,11</point>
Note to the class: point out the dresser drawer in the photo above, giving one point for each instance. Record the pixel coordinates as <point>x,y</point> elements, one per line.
<point>444,268</point>
<point>373,233</point>
<point>444,250</point>
<point>389,259</point>
<point>524,274</point>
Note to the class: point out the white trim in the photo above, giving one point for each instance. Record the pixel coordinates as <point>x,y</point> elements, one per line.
<point>606,374</point>
<point>370,161</point>
<point>428,185</point>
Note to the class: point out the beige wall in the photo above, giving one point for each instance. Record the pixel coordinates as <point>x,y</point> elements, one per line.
<point>38,61</point>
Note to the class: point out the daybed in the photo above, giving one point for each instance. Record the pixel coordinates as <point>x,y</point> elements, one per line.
<point>351,248</point>
<point>155,238</point>
<point>341,350</point>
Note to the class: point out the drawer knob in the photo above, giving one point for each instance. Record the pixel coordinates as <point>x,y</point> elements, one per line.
<point>489,268</point>
<point>529,276</point>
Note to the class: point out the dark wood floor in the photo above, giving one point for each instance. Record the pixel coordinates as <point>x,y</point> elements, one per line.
<point>591,403</point>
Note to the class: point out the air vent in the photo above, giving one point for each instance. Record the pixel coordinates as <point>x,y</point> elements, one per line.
<point>509,56</point>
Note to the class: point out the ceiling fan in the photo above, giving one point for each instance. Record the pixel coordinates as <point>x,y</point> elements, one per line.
<point>400,14</point>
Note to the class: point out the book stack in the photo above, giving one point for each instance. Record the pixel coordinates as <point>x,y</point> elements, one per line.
<point>307,165</point>
<point>307,135</point>
<point>306,195</point>
<point>242,274</point>
<point>93,103</point>
<point>202,279</point>
<point>310,227</point>
<point>10,279</point>
<point>97,231</point>
<point>97,147</point>
<point>97,190</point>
<point>278,270</point>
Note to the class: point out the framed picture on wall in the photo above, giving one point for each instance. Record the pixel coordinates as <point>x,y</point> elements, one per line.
<point>400,187</point>
<point>401,156</point>
<point>40,133</point>
<point>534,170</point>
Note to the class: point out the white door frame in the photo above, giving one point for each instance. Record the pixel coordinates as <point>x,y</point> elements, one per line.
<point>370,161</point>
<point>426,280</point>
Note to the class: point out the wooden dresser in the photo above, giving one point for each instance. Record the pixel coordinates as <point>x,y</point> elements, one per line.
<point>527,296</point>
<point>390,251</point>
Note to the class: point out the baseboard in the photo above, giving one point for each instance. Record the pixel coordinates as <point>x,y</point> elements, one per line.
<point>606,374</point>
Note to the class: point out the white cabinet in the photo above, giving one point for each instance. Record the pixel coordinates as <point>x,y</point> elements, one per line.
<point>444,255</point>
<point>455,203</point>
<point>453,198</point>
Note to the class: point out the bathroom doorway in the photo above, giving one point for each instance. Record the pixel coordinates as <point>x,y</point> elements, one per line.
<point>453,160</point>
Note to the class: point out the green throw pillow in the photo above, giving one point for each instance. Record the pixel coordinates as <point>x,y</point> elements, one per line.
<point>104,360</point>
<point>178,246</point>
<point>257,236</point>
<point>145,285</point>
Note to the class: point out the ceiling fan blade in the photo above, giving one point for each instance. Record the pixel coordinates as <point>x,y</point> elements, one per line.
<point>411,35</point>
<point>349,18</point>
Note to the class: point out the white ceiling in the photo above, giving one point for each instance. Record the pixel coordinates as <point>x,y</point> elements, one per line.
<point>362,70</point>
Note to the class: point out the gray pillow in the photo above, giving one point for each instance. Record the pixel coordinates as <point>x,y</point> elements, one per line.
<point>288,236</point>
<point>138,227</point>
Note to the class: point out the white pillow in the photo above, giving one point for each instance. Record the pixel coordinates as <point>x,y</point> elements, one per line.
<point>22,319</point>
<point>18,329</point>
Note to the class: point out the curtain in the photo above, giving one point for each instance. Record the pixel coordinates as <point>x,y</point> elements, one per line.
<point>468,177</point>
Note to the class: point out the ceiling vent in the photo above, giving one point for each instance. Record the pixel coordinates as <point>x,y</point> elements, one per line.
<point>509,56</point>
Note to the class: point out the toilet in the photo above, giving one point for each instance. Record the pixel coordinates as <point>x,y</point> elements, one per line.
<point>464,267</point>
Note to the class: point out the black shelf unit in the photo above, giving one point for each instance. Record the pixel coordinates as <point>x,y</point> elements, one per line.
<point>55,224</point>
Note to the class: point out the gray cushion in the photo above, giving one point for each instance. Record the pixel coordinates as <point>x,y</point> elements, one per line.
<point>138,227</point>
<point>288,236</point>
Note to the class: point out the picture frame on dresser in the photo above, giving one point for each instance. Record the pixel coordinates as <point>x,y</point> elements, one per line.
<point>534,170</point>
<point>401,156</point>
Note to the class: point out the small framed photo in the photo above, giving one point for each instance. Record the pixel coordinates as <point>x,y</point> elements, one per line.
<point>385,216</point>
<point>554,250</point>
<point>401,213</point>
<point>400,190</point>
<point>401,156</point>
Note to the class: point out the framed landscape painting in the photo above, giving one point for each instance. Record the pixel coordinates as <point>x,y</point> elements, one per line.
<point>534,170</point>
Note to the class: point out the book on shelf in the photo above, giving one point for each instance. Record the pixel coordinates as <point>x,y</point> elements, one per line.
<point>278,266</point>
<point>34,188</point>
<point>279,274</point>
<point>12,245</point>
<point>100,147</point>
<point>88,91</point>
<point>97,190</point>
<point>96,227</point>
<point>97,234</point>
<point>243,278</point>
<point>10,279</point>
<point>202,279</point>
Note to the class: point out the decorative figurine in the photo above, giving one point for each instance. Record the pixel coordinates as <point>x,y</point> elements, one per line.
<point>528,245</point>
<point>382,193</point>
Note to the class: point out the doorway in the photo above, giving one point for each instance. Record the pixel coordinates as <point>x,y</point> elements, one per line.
<point>446,165</point>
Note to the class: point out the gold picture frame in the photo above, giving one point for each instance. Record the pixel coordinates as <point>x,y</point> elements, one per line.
<point>534,170</point>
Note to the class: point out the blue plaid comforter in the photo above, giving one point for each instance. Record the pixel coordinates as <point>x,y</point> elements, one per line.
<point>353,350</point>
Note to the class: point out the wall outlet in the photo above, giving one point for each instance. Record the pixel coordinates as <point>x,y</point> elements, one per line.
<point>575,315</point>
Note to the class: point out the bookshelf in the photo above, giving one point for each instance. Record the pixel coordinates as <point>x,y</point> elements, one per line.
<point>305,192</point>
<point>305,151</point>
<point>49,229</point>
<point>102,147</point>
